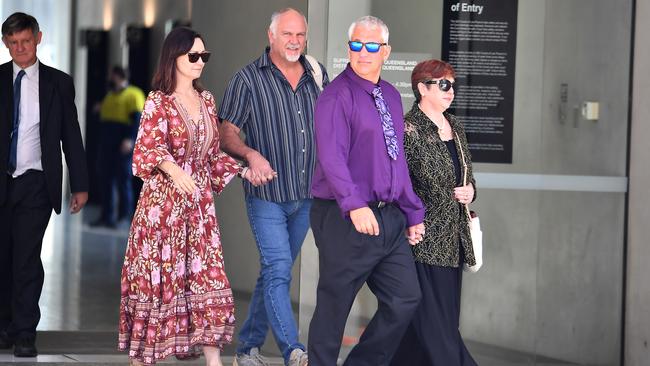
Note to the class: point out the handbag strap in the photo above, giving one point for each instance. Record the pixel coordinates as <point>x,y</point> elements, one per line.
<point>316,71</point>
<point>462,155</point>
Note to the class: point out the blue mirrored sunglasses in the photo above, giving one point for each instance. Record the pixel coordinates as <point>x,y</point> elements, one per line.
<point>372,47</point>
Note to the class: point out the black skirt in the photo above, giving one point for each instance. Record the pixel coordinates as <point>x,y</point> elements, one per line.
<point>433,338</point>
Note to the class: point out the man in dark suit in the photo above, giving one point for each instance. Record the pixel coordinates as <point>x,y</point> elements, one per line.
<point>38,117</point>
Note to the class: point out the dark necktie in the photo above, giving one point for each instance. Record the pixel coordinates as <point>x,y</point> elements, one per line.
<point>13,149</point>
<point>386,123</point>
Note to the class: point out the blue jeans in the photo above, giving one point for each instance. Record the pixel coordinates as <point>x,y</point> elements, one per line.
<point>279,230</point>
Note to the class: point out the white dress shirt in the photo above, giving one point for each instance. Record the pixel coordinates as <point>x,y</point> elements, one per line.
<point>29,137</point>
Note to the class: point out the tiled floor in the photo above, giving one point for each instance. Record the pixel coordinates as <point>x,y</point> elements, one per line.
<point>81,294</point>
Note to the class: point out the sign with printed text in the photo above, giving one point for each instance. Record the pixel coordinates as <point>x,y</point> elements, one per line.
<point>479,41</point>
<point>397,70</point>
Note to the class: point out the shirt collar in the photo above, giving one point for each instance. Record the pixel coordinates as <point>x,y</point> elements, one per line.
<point>366,85</point>
<point>265,60</point>
<point>31,72</point>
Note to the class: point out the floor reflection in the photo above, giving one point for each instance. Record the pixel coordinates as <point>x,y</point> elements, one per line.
<point>81,293</point>
<point>82,273</point>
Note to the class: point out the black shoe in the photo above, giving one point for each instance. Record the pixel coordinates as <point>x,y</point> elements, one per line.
<point>25,347</point>
<point>5,341</point>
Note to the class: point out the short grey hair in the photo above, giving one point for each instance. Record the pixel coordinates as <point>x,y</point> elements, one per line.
<point>273,27</point>
<point>369,21</point>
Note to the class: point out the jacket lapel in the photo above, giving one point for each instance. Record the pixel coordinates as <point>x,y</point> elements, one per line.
<point>45,93</point>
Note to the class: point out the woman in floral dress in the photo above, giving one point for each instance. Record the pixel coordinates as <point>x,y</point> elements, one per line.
<point>176,298</point>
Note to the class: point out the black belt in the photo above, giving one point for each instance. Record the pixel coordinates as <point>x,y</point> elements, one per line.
<point>379,204</point>
<point>372,204</point>
<point>26,173</point>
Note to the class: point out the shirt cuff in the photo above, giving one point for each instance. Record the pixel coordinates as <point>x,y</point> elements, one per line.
<point>350,203</point>
<point>415,217</point>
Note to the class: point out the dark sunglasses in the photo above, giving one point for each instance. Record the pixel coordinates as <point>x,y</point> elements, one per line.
<point>194,56</point>
<point>372,47</point>
<point>443,84</point>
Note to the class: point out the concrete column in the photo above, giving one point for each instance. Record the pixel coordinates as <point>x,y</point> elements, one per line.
<point>637,320</point>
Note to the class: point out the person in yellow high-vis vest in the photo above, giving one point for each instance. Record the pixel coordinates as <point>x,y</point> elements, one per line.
<point>120,115</point>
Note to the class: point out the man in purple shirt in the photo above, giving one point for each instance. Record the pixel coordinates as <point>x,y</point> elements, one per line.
<point>364,210</point>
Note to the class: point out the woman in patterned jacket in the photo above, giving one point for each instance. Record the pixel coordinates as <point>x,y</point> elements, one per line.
<point>434,141</point>
<point>176,298</point>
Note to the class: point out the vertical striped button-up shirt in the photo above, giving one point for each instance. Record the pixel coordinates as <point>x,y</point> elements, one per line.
<point>277,122</point>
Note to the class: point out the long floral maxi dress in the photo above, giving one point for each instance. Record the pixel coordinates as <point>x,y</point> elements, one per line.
<point>175,293</point>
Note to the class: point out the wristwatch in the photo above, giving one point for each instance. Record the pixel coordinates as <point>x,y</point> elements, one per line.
<point>242,171</point>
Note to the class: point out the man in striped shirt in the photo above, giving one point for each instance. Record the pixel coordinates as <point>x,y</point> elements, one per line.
<point>272,101</point>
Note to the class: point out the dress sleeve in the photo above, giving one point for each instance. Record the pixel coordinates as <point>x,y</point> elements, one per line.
<point>151,144</point>
<point>223,168</point>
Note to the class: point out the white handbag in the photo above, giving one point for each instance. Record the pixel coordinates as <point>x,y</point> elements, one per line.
<point>474,224</point>
<point>477,243</point>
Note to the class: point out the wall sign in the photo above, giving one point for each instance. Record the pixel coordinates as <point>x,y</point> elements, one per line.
<point>479,41</point>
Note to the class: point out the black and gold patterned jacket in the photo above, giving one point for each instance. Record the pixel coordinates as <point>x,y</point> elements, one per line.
<point>433,178</point>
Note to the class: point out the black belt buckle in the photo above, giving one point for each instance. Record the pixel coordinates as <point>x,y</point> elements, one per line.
<point>381,204</point>
<point>378,204</point>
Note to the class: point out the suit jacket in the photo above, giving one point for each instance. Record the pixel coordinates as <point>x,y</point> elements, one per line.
<point>59,128</point>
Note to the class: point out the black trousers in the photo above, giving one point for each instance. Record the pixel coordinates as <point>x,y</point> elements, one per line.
<point>347,259</point>
<point>23,220</point>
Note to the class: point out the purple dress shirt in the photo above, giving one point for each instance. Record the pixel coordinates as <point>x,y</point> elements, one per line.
<point>352,165</point>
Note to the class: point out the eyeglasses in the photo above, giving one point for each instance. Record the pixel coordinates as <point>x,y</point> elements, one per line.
<point>372,47</point>
<point>443,84</point>
<point>194,56</point>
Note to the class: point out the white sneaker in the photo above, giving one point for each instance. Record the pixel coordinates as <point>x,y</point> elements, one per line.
<point>253,358</point>
<point>298,357</point>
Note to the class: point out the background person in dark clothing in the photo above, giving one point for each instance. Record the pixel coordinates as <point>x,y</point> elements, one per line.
<point>120,113</point>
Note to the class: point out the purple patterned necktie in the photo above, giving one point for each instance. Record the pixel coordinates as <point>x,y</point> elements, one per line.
<point>386,123</point>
